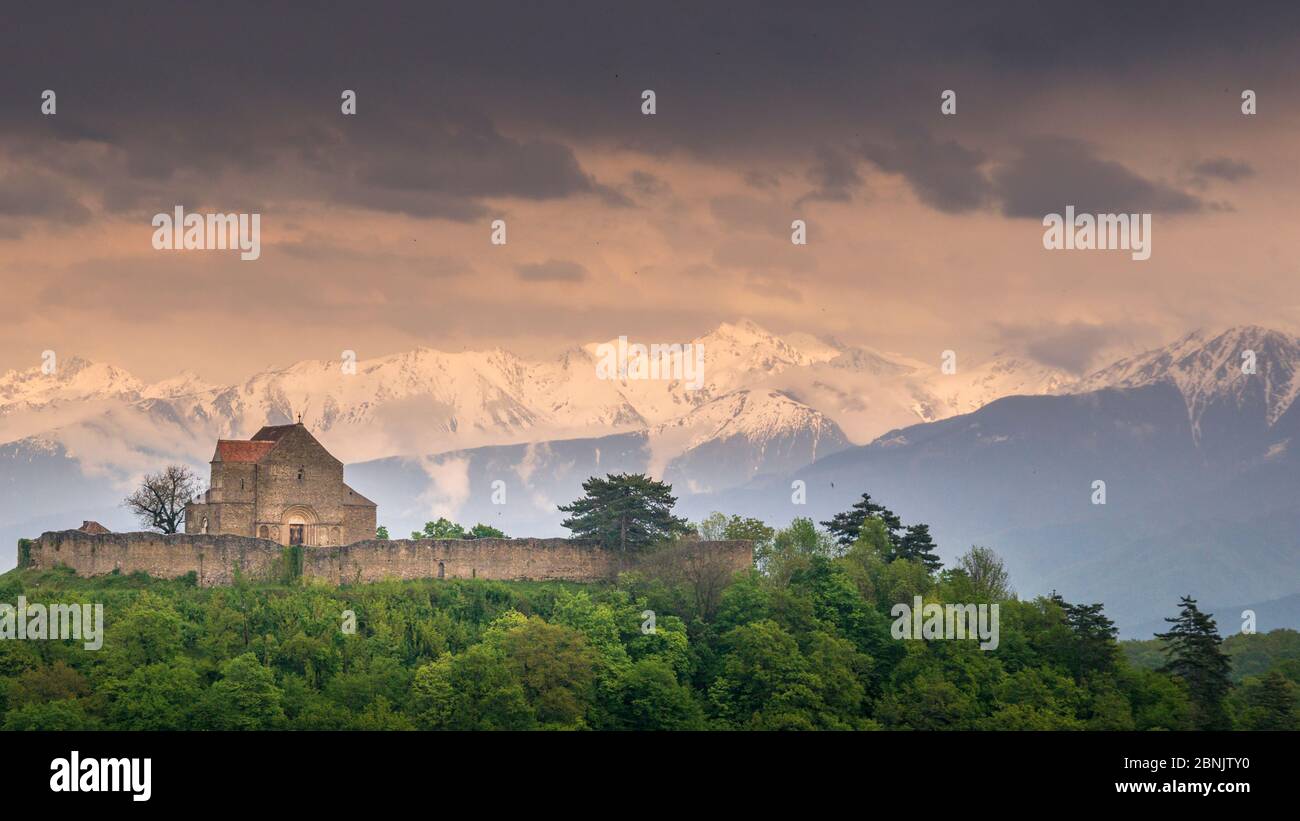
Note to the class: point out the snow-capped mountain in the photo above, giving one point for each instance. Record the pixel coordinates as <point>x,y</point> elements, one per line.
<point>1212,369</point>
<point>1003,375</point>
<point>428,401</point>
<point>738,436</point>
<point>73,380</point>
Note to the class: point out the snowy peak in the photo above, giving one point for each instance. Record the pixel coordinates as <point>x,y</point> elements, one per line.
<point>757,415</point>
<point>71,380</point>
<point>1239,365</point>
<point>968,390</point>
<point>745,345</point>
<point>186,383</point>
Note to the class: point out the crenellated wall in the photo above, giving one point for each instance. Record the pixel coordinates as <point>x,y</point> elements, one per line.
<point>215,560</point>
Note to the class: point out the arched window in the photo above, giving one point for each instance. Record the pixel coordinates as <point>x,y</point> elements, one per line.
<point>263,533</point>
<point>442,570</point>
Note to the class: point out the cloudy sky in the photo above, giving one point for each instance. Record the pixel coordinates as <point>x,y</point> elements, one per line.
<point>924,230</point>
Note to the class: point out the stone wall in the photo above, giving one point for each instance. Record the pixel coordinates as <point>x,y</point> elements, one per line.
<point>215,560</point>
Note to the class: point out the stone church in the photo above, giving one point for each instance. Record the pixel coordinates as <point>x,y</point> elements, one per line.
<point>284,486</point>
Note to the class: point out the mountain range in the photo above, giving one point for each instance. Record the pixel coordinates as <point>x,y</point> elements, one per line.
<point>1195,453</point>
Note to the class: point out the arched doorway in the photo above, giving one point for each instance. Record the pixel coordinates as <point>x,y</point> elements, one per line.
<point>299,525</point>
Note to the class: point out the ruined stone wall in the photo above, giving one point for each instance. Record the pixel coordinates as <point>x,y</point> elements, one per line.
<point>215,560</point>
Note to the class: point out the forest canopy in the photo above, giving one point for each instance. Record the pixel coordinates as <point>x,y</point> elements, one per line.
<point>801,641</point>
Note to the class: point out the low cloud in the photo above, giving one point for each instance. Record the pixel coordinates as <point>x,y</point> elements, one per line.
<point>1071,346</point>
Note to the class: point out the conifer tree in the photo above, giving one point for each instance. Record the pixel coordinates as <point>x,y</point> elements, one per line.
<point>846,526</point>
<point>625,511</point>
<point>918,545</point>
<point>1094,634</point>
<point>1193,647</point>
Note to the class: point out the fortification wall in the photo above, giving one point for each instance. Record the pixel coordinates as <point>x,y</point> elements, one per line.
<point>215,560</point>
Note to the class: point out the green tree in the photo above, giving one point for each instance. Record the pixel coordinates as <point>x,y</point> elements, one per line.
<point>748,528</point>
<point>50,715</point>
<point>846,526</point>
<point>651,698</point>
<point>918,545</point>
<point>441,529</point>
<point>155,697</point>
<point>1095,649</point>
<point>53,682</point>
<point>1272,704</point>
<point>244,698</point>
<point>150,631</point>
<point>626,511</point>
<point>792,546</point>
<point>381,533</point>
<point>987,575</point>
<point>556,666</point>
<point>473,690</point>
<point>1192,647</point>
<point>712,527</point>
<point>482,531</point>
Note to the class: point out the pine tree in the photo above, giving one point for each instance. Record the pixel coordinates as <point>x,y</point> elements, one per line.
<point>1192,645</point>
<point>626,511</point>
<point>1094,634</point>
<point>918,545</point>
<point>846,526</point>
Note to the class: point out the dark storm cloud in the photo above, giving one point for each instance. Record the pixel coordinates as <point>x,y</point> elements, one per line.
<point>723,71</point>
<point>553,270</point>
<point>443,166</point>
<point>944,174</point>
<point>458,102</point>
<point>834,175</point>
<point>1053,172</point>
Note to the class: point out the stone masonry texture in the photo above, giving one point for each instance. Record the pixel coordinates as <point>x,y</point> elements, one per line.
<point>217,559</point>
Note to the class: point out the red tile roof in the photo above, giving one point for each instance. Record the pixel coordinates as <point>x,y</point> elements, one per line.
<point>237,450</point>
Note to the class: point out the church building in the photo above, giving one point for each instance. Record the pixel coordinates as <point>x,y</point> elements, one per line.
<point>284,486</point>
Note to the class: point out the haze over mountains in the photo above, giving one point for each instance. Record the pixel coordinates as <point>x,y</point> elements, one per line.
<point>1196,454</point>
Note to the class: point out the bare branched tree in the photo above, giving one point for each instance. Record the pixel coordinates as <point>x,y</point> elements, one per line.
<point>160,501</point>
